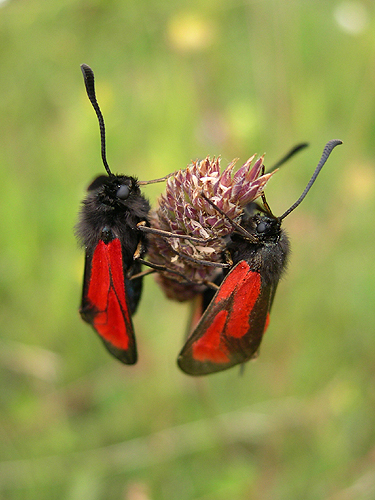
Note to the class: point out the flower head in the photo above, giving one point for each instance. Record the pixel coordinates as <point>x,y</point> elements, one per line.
<point>183,210</point>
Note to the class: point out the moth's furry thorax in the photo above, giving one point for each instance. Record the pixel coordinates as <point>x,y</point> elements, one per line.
<point>107,207</point>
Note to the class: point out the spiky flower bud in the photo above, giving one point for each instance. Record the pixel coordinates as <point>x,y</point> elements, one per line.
<point>183,210</point>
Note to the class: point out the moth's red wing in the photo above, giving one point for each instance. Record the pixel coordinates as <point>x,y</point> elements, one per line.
<point>104,303</point>
<point>231,329</point>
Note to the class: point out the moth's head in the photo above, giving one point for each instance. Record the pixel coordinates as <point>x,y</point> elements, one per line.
<point>261,223</point>
<point>113,189</point>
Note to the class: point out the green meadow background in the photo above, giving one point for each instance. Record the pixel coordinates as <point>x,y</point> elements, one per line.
<point>179,80</point>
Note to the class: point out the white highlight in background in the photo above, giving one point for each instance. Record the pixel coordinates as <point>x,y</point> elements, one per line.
<point>352,17</point>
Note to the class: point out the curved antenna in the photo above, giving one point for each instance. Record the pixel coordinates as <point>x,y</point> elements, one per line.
<point>288,155</point>
<point>88,76</point>
<point>326,152</point>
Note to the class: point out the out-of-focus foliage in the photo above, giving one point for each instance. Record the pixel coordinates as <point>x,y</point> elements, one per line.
<point>178,81</point>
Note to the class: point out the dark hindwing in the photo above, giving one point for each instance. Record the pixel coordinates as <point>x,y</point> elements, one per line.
<point>231,328</point>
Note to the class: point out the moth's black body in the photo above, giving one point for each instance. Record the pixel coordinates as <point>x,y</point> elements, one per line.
<point>111,210</point>
<point>105,215</point>
<point>269,255</point>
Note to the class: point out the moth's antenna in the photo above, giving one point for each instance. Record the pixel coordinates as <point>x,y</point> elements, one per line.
<point>88,76</point>
<point>326,152</point>
<point>289,154</point>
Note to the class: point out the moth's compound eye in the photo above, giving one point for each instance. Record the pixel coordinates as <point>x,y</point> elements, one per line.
<point>261,227</point>
<point>123,192</point>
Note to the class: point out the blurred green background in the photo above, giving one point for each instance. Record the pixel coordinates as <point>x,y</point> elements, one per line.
<point>178,81</point>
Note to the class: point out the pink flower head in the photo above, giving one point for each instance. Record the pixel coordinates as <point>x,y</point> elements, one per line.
<point>183,210</point>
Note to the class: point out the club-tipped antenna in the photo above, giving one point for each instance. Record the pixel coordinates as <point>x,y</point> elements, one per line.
<point>288,155</point>
<point>326,152</point>
<point>88,76</point>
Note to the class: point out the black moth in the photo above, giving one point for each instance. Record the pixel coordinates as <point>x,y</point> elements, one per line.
<point>107,229</point>
<point>235,318</point>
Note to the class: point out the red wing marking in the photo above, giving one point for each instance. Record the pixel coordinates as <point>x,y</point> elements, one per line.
<point>231,281</point>
<point>208,347</point>
<point>106,295</point>
<point>100,280</point>
<point>246,294</point>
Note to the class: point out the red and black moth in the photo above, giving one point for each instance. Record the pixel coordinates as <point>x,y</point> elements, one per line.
<point>107,228</point>
<point>234,320</point>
